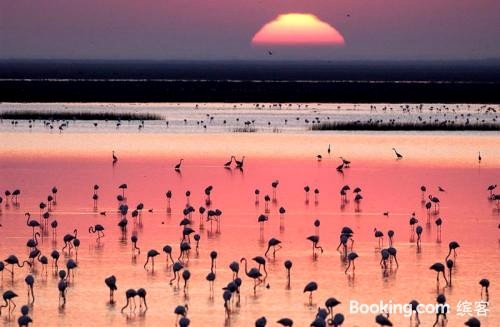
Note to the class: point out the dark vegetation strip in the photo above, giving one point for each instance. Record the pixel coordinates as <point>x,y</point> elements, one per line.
<point>403,126</point>
<point>80,115</point>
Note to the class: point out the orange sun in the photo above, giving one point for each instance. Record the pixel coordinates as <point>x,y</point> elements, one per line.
<point>297,29</point>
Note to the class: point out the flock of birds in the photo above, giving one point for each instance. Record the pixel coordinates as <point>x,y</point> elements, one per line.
<point>232,291</point>
<point>417,114</point>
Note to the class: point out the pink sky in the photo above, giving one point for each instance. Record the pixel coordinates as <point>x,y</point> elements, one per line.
<point>223,29</point>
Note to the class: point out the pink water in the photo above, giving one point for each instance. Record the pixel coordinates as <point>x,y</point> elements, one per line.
<point>34,163</point>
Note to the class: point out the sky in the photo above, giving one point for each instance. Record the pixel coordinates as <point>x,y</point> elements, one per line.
<point>224,29</point>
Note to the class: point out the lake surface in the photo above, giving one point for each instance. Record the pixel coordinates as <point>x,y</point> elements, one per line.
<point>35,161</point>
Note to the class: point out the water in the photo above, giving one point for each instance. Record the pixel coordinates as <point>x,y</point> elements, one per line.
<point>36,161</point>
<point>264,117</point>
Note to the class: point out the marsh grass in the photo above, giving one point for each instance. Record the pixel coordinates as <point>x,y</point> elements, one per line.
<point>403,126</point>
<point>72,115</point>
<point>246,129</point>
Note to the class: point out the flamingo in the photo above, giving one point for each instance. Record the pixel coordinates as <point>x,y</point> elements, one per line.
<point>235,268</point>
<point>261,322</point>
<point>239,164</point>
<point>380,236</point>
<point>485,284</point>
<point>98,228</point>
<point>111,283</point>
<point>70,267</point>
<point>62,287</point>
<point>130,294</point>
<point>390,234</point>
<point>310,287</point>
<point>30,281</point>
<point>345,162</point>
<point>176,267</point>
<point>134,240</point>
<point>315,240</point>
<point>151,255</point>
<point>123,187</point>
<point>227,297</point>
<point>13,260</point>
<point>32,223</point>
<point>393,252</point>
<point>414,306</point>
<point>473,321</point>
<point>254,273</point>
<point>181,310</point>
<point>168,252</point>
<point>115,158</point>
<point>434,200</point>
<point>449,265</point>
<point>184,247</point>
<point>337,320</point>
<point>54,195</point>
<point>228,164</point>
<point>419,235</point>
<point>452,246</point>
<point>307,189</point>
<point>7,297</point>
<point>262,219</point>
<point>273,242</point>
<point>382,320</point>
<point>24,319</point>
<point>442,309</point>
<point>178,166</point>
<point>351,257</point>
<point>186,274</point>
<point>211,275</point>
<point>288,266</point>
<point>439,268</point>
<point>68,238</point>
<point>262,263</point>
<point>141,293</point>
<point>55,257</point>
<point>398,155</point>
<point>33,243</point>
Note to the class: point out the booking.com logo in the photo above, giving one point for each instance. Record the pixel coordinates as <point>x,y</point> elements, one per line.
<point>355,307</point>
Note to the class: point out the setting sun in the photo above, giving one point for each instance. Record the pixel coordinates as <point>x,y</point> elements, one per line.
<point>298,29</point>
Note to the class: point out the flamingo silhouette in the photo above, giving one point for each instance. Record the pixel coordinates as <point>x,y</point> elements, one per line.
<point>178,166</point>
<point>452,246</point>
<point>176,267</point>
<point>151,255</point>
<point>398,155</point>
<point>13,260</point>
<point>115,158</point>
<point>253,273</point>
<point>315,240</point>
<point>30,281</point>
<point>273,242</point>
<point>351,257</point>
<point>485,284</point>
<point>32,223</point>
<point>439,268</point>
<point>7,297</point>
<point>130,294</point>
<point>310,287</point>
<point>99,229</point>
<point>111,283</point>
